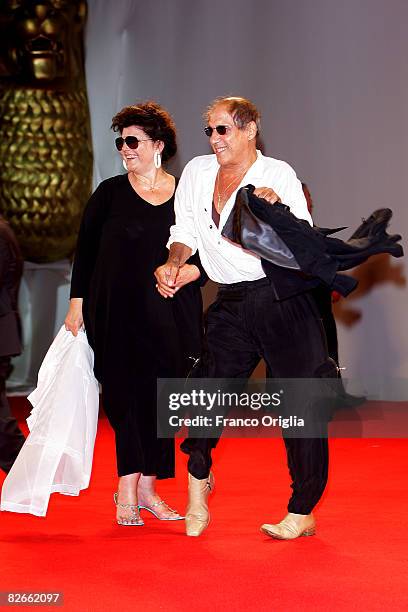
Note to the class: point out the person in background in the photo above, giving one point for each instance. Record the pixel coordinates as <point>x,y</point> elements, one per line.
<point>11,269</point>
<point>324,298</point>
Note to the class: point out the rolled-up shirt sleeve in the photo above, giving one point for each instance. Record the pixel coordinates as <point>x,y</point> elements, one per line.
<point>184,229</point>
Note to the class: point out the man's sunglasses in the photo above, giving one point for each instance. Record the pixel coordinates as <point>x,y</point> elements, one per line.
<point>220,129</point>
<point>131,141</point>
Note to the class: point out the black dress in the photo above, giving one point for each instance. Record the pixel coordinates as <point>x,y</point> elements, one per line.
<point>136,334</point>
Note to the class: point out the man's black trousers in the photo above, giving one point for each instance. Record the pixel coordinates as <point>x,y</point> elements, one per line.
<point>244,324</point>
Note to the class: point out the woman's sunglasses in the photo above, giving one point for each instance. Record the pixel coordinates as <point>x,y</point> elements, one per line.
<point>131,141</point>
<point>220,129</point>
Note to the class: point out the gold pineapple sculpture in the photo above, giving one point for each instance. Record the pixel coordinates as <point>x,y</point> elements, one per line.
<point>45,142</point>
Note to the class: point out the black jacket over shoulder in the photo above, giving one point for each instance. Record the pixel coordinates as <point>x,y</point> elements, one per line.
<point>297,257</point>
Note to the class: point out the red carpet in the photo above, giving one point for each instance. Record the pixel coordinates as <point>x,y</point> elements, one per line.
<point>357,560</point>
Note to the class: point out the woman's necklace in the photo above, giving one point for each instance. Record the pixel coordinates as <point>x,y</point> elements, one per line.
<point>142,179</point>
<point>221,194</point>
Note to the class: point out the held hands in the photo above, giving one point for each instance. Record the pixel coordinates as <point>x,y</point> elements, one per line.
<point>267,194</point>
<point>74,320</point>
<point>187,274</point>
<point>170,277</point>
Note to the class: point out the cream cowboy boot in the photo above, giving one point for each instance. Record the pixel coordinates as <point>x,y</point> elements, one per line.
<point>197,515</point>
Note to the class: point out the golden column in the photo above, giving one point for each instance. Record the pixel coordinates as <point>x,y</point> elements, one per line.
<point>45,141</point>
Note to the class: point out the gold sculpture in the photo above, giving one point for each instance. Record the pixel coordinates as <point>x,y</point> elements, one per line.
<point>45,142</point>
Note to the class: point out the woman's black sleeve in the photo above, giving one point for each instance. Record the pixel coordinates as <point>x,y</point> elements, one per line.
<point>87,247</point>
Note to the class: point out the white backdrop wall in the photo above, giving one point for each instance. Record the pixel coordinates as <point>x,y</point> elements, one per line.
<point>331,81</point>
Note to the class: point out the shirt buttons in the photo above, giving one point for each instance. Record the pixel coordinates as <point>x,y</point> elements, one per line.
<point>211,226</point>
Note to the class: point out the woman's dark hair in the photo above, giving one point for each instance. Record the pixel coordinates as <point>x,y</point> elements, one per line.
<point>152,119</point>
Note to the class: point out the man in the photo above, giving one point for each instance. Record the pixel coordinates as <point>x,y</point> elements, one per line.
<point>11,266</point>
<point>256,314</point>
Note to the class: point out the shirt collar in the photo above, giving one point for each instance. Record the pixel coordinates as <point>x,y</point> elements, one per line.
<point>256,171</point>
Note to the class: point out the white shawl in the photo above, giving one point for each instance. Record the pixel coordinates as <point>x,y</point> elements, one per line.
<point>57,455</point>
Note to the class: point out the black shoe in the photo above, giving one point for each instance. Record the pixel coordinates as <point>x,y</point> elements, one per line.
<point>376,225</point>
<point>372,234</point>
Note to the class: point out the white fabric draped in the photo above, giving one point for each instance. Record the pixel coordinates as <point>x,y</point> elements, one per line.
<point>57,455</point>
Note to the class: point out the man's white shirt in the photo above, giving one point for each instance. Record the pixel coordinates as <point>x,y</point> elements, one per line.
<point>223,261</point>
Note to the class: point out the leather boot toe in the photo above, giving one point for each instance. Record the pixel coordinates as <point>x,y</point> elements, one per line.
<point>291,527</point>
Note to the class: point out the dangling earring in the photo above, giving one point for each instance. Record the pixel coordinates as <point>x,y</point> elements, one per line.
<point>124,164</point>
<point>157,159</point>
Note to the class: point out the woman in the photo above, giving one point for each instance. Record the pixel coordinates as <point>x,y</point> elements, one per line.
<point>137,336</point>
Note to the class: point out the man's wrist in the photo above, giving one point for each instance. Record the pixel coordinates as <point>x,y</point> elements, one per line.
<point>178,255</point>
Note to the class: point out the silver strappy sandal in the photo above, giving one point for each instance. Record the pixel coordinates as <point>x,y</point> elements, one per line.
<point>134,519</point>
<point>176,516</point>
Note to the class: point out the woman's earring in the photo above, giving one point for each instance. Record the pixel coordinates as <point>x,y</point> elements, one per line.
<point>124,164</point>
<point>157,159</point>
